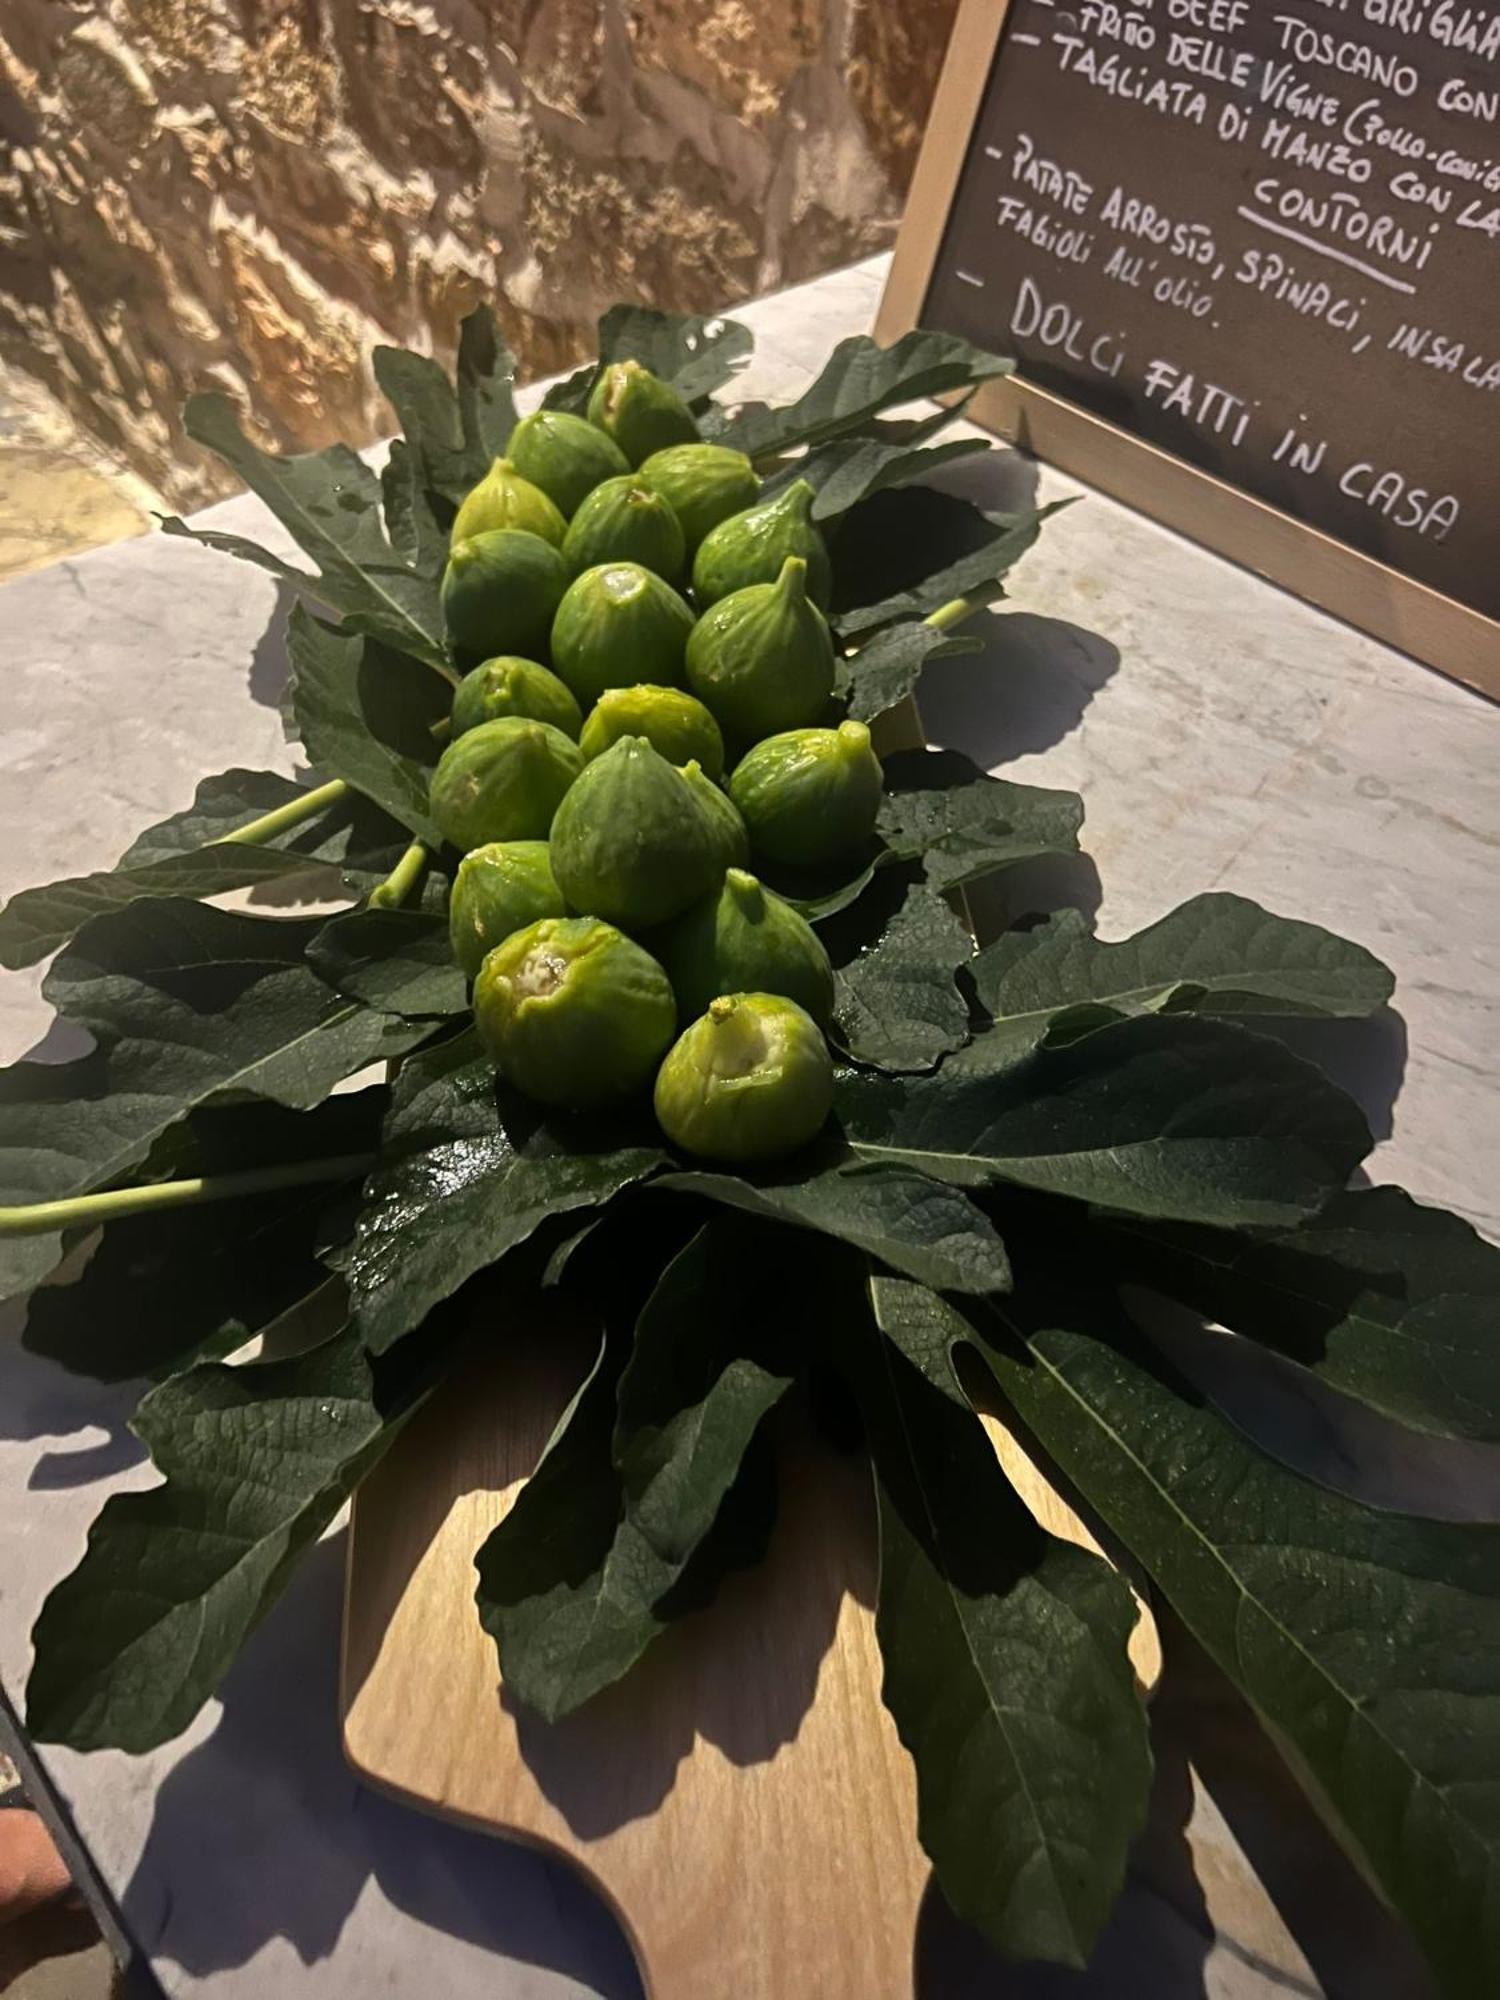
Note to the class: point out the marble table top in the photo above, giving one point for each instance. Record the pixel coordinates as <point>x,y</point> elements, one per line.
<point>1223,736</point>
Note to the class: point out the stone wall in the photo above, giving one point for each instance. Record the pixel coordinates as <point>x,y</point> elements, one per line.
<point>249,194</point>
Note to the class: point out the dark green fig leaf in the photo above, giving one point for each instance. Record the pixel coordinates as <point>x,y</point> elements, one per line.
<point>854,468</point>
<point>159,1291</point>
<point>717,1346</point>
<point>452,435</point>
<point>462,1184</point>
<point>859,380</point>
<point>186,1003</point>
<point>897,1216</point>
<point>910,538</point>
<point>486,376</point>
<point>257,1461</point>
<point>569,1587</point>
<point>395,961</point>
<point>442,462</point>
<point>823,895</point>
<point>1218,954</point>
<point>916,430</point>
<point>1167,1117</point>
<point>1006,1667</point>
<point>191,854</point>
<point>330,502</point>
<point>942,810</point>
<point>696,355</point>
<point>411,515</point>
<point>881,675</point>
<point>1387,1300</point>
<point>365,714</point>
<point>897,1005</point>
<point>1367,1643</point>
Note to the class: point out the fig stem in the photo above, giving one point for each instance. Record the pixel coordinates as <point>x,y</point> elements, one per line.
<point>959,608</point>
<point>36,1218</point>
<point>293,813</point>
<point>403,878</point>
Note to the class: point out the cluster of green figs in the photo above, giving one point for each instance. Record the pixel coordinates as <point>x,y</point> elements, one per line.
<point>649,719</point>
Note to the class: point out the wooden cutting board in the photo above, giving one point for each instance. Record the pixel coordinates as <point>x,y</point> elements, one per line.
<point>741,1801</point>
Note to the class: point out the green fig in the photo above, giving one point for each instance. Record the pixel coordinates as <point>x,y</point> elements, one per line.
<point>499,889</point>
<point>750,1080</point>
<point>624,521</point>
<point>619,626</point>
<point>762,658</point>
<point>566,456</point>
<point>751,547</point>
<point>502,781</point>
<point>501,591</point>
<point>809,796</point>
<point>630,842</point>
<point>726,828</point>
<point>504,499</point>
<point>573,1013</point>
<point>704,484</point>
<point>744,939</point>
<point>671,722</point>
<point>508,685</point>
<point>639,411</point>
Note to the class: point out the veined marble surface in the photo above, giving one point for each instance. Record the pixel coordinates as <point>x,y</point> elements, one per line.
<point>1223,736</point>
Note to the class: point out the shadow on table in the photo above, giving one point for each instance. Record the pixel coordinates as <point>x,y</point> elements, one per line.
<point>1366,1058</point>
<point>40,1399</point>
<point>1028,690</point>
<point>262,1832</point>
<point>269,665</point>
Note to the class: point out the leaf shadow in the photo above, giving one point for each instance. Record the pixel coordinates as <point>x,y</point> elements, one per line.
<point>261,1832</point>
<point>270,665</point>
<point>617,1759</point>
<point>1366,1058</point>
<point>1002,481</point>
<point>41,1399</point>
<point>1033,888</point>
<point>1315,1429</point>
<point>1024,693</point>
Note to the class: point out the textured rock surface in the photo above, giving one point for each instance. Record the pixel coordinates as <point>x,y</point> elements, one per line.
<point>248,194</point>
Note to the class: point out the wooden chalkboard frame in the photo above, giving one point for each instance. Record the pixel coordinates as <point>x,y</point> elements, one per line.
<point>1435,629</point>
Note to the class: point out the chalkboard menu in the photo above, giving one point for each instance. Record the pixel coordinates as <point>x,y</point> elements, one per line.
<point>1262,240</point>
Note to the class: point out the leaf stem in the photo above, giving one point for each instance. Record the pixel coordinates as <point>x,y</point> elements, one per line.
<point>293,813</point>
<point>403,878</point>
<point>959,608</point>
<point>38,1217</point>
